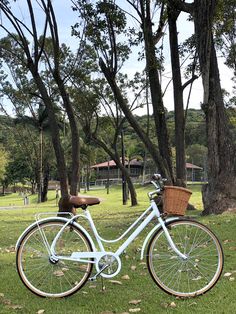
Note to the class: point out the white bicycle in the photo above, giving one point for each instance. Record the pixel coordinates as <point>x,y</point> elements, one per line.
<point>55,256</point>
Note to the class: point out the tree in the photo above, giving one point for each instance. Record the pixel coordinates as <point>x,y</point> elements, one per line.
<point>105,21</point>
<point>33,63</point>
<point>180,115</point>
<point>219,194</point>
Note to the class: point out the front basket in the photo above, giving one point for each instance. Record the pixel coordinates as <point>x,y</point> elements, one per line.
<point>175,200</point>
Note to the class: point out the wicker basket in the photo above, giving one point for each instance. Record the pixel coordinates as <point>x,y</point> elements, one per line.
<point>175,200</point>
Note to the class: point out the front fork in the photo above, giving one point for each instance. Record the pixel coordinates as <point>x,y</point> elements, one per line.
<point>170,241</point>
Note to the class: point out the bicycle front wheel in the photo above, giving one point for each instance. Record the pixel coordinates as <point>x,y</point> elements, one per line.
<point>193,276</point>
<point>48,278</point>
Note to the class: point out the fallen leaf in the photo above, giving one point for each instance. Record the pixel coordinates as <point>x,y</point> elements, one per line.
<point>227,274</point>
<point>133,267</point>
<point>231,278</point>
<point>173,305</point>
<point>125,277</point>
<point>135,310</point>
<point>134,302</point>
<point>116,282</point>
<point>58,273</point>
<point>107,312</point>
<point>1,295</point>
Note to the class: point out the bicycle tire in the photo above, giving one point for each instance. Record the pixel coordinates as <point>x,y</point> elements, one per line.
<point>199,272</point>
<point>36,270</point>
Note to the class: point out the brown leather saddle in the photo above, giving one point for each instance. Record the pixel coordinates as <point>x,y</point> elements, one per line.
<point>83,200</point>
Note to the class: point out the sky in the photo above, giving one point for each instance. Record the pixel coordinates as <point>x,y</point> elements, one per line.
<point>66,17</point>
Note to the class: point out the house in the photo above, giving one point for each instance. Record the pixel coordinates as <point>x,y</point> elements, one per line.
<point>193,172</point>
<point>109,169</point>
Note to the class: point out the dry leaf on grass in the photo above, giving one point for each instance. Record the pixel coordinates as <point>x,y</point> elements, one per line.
<point>133,267</point>
<point>125,277</point>
<point>58,273</point>
<point>135,310</point>
<point>135,302</point>
<point>116,282</point>
<point>227,274</point>
<point>41,311</point>
<point>173,305</point>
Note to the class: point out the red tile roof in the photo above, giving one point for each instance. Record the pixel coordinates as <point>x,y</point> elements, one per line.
<point>133,162</point>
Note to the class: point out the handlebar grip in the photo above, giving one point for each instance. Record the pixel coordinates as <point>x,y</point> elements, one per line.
<point>156,176</point>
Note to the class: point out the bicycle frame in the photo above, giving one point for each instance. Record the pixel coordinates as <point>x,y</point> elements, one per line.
<point>92,257</point>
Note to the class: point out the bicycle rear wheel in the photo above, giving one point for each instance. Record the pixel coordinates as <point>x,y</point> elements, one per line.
<point>48,278</point>
<point>193,276</point>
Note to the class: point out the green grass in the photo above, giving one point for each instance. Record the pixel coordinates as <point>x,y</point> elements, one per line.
<point>111,219</point>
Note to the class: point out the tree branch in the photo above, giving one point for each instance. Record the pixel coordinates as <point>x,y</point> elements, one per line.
<point>180,5</point>
<point>190,81</point>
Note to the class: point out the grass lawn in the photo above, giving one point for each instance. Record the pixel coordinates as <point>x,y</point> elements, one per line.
<point>112,218</point>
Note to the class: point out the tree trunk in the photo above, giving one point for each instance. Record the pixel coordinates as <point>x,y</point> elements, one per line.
<point>61,165</point>
<point>220,193</point>
<point>75,144</point>
<point>178,100</point>
<point>156,92</point>
<point>45,184</point>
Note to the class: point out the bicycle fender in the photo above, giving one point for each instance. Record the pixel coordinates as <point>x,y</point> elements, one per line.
<point>158,226</point>
<point>54,219</point>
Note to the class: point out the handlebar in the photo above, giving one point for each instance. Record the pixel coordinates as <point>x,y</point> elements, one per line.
<point>158,182</point>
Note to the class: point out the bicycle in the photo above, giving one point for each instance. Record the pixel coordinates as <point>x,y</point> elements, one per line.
<point>55,255</point>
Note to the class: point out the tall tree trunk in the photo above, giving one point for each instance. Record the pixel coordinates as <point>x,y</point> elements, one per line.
<point>155,89</point>
<point>178,99</point>
<point>220,193</point>
<point>75,144</point>
<point>61,165</point>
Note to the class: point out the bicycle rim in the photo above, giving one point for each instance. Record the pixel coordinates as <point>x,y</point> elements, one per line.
<point>193,276</point>
<point>39,274</point>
